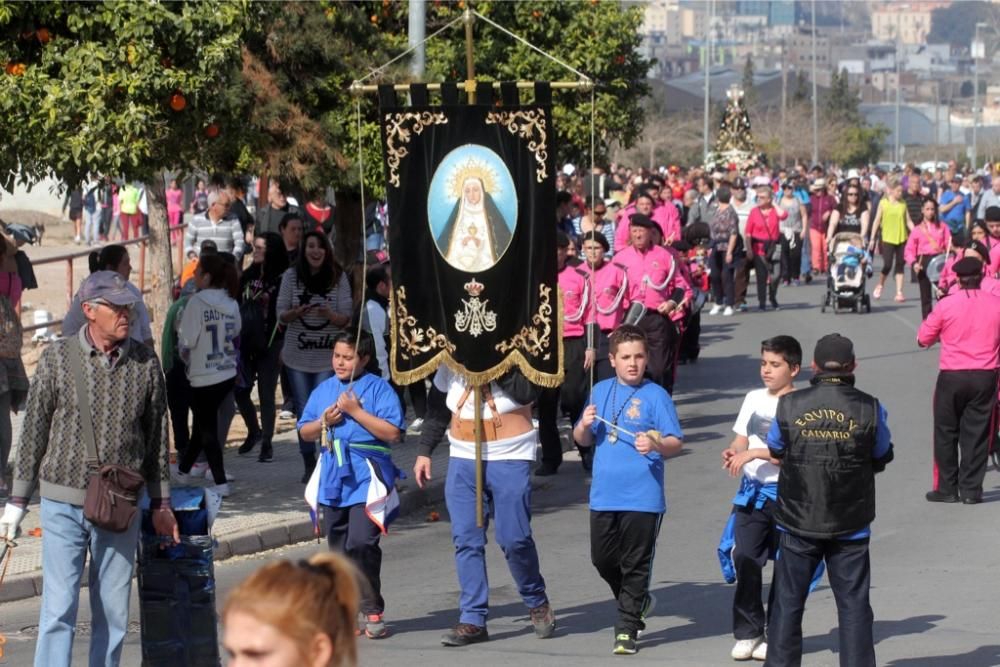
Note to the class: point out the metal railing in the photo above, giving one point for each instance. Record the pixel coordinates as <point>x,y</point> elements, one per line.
<point>141,241</point>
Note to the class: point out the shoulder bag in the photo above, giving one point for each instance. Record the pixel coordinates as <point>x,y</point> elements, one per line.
<point>112,490</point>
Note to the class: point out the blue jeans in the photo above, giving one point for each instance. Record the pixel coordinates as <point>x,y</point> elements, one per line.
<point>374,241</point>
<point>66,536</point>
<point>507,498</point>
<point>303,383</point>
<point>91,225</point>
<point>806,263</point>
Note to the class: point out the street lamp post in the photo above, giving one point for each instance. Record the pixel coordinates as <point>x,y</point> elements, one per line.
<point>708,77</point>
<point>978,51</point>
<point>815,153</point>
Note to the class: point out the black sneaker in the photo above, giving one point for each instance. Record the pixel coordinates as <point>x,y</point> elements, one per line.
<point>266,454</point>
<point>544,470</point>
<point>464,634</point>
<point>249,443</point>
<point>624,644</point>
<point>544,620</point>
<point>941,497</point>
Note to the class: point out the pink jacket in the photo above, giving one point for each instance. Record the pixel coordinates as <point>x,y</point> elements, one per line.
<point>610,294</point>
<point>927,239</point>
<point>574,282</point>
<point>648,275</point>
<point>994,245</point>
<point>665,216</point>
<point>967,324</point>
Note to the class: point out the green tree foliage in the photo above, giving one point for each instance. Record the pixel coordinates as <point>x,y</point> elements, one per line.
<point>121,88</point>
<point>859,145</point>
<point>841,103</point>
<point>801,93</point>
<point>598,38</point>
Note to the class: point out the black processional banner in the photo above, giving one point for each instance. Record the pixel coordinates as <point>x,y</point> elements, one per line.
<point>471,201</point>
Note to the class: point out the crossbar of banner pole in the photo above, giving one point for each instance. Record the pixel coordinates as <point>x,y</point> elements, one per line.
<point>362,89</point>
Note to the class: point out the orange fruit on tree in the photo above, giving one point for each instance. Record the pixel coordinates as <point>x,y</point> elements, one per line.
<point>212,131</point>
<point>43,35</point>
<point>177,102</point>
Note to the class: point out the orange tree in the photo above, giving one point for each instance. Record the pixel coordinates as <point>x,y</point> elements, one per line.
<point>121,88</point>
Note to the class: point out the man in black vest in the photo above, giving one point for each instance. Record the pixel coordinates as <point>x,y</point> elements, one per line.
<point>830,439</point>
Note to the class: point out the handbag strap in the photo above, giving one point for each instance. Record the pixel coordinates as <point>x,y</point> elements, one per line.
<point>83,402</point>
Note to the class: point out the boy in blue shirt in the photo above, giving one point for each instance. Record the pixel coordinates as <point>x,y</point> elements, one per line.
<point>634,425</point>
<point>362,415</point>
<point>754,532</point>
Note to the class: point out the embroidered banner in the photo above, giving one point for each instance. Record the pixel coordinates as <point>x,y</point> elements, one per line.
<point>471,201</point>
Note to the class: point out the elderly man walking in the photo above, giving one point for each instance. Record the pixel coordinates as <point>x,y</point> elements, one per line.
<point>122,383</point>
<point>215,225</point>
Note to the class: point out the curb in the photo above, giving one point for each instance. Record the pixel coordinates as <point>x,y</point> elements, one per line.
<point>241,543</point>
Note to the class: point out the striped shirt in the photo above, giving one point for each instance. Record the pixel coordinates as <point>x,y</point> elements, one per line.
<point>309,339</point>
<point>227,235</point>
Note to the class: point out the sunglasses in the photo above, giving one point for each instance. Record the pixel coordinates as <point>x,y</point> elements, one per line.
<point>118,310</point>
<point>852,194</point>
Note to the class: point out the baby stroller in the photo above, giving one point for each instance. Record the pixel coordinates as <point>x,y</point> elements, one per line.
<point>850,268</point>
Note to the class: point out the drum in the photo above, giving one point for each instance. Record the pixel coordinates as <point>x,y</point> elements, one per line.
<point>935,267</point>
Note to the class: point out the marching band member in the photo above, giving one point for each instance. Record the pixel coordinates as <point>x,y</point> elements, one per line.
<point>967,324</point>
<point>578,358</point>
<point>656,281</point>
<point>992,218</point>
<point>610,288</point>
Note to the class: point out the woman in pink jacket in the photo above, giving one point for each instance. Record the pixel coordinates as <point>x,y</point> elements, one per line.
<point>763,231</point>
<point>928,239</point>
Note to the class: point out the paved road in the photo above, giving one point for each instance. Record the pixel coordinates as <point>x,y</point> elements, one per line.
<point>934,582</point>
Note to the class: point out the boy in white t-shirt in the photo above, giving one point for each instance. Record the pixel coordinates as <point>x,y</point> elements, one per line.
<point>755,533</point>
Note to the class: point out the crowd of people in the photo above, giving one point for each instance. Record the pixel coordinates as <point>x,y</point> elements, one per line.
<point>264,302</point>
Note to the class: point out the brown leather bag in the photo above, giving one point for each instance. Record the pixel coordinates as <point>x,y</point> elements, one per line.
<point>112,490</point>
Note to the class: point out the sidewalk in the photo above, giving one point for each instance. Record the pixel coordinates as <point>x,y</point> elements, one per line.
<point>266,509</point>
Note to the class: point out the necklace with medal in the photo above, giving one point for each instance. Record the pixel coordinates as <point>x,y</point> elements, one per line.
<point>613,435</point>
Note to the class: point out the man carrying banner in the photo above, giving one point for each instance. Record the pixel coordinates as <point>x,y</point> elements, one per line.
<point>655,281</point>
<point>578,359</point>
<point>509,441</point>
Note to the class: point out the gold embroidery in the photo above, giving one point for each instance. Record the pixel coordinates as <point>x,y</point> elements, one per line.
<point>475,318</point>
<point>400,127</point>
<point>534,339</point>
<point>414,340</point>
<point>530,125</point>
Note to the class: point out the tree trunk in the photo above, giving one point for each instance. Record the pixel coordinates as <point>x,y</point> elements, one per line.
<point>161,257</point>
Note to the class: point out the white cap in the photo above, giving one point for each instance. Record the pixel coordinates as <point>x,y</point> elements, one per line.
<point>853,173</point>
<point>569,169</point>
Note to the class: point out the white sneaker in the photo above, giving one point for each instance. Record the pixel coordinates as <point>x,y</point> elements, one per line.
<point>211,478</point>
<point>760,653</point>
<point>221,489</point>
<point>286,414</point>
<point>728,312</point>
<point>181,478</point>
<point>744,648</point>
<point>716,309</point>
<point>417,423</point>
<point>199,469</point>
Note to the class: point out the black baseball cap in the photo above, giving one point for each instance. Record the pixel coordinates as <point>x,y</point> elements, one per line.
<point>834,352</point>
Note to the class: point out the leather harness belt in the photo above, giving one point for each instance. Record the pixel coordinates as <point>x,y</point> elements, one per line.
<point>500,427</point>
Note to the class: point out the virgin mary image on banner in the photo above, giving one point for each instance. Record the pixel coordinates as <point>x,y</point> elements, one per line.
<point>472,208</point>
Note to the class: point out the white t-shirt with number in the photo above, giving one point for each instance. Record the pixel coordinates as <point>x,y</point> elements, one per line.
<point>753,422</point>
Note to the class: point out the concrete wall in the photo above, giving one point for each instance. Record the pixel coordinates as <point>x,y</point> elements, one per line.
<point>44,197</point>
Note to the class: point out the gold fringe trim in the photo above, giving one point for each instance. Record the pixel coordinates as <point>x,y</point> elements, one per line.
<point>512,360</point>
